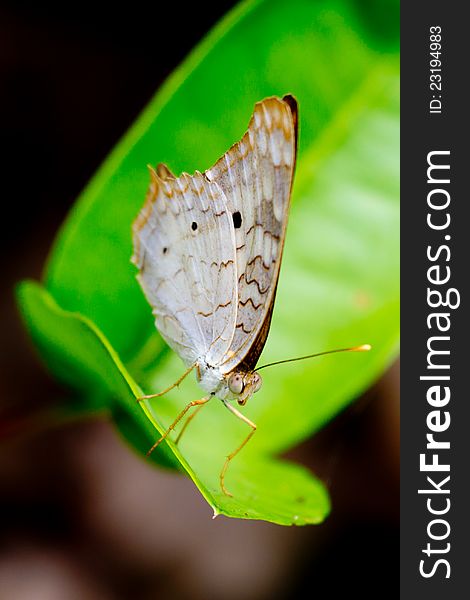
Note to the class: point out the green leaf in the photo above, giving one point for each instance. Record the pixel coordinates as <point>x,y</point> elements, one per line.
<point>339,279</point>
<point>262,487</point>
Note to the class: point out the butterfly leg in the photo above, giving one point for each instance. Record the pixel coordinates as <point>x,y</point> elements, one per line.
<point>187,422</point>
<point>235,452</point>
<point>168,389</point>
<point>177,420</point>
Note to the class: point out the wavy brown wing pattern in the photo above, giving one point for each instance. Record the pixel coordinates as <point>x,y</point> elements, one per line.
<point>184,247</point>
<point>209,246</point>
<point>256,177</point>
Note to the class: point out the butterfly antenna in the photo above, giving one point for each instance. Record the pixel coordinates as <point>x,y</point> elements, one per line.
<point>363,348</point>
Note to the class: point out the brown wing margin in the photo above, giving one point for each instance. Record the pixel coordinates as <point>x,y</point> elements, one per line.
<point>250,360</point>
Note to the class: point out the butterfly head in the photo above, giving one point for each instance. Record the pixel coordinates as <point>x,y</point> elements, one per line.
<point>243,384</point>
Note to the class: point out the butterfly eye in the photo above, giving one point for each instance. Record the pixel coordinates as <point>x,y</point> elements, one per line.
<point>235,383</point>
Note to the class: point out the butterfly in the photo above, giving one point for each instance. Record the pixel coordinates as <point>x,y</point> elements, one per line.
<point>208,248</point>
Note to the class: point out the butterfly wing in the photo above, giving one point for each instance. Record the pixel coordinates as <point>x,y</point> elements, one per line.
<point>184,247</point>
<point>256,176</point>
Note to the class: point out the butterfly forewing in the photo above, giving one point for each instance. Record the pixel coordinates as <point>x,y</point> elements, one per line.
<point>256,178</point>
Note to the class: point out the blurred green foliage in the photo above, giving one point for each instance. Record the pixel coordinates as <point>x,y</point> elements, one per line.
<point>339,279</point>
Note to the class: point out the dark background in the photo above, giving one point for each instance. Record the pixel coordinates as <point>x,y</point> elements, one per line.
<point>80,515</point>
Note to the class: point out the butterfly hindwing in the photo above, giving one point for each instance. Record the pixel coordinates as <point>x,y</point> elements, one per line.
<point>184,248</point>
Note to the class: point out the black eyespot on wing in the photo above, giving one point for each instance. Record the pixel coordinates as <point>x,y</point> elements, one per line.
<point>165,250</point>
<point>237,219</point>
<point>194,225</point>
